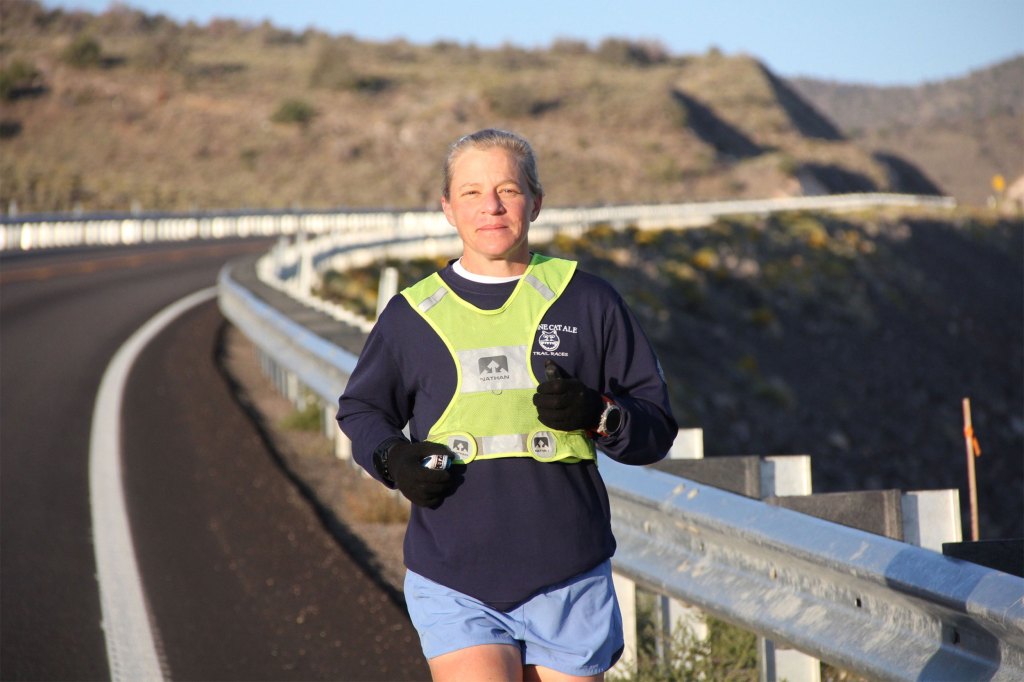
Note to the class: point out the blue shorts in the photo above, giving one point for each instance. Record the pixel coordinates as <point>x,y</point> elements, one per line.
<point>573,627</point>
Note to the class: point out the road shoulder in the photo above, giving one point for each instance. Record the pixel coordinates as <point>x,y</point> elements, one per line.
<point>366,519</point>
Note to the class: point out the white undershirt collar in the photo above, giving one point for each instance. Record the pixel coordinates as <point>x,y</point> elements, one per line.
<point>482,279</point>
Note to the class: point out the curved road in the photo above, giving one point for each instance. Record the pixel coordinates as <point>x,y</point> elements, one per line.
<point>241,580</point>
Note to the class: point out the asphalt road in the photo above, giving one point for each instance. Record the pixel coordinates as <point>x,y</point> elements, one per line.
<point>241,579</point>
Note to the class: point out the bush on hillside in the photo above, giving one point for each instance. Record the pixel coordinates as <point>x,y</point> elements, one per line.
<point>632,53</point>
<point>84,52</point>
<point>296,111</point>
<point>516,100</point>
<point>17,77</point>
<point>333,70</point>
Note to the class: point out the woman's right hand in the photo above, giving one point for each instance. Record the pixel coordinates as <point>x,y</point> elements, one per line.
<point>422,486</point>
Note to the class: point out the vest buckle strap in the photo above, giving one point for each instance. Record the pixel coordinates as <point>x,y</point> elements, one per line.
<point>462,445</point>
<point>541,445</point>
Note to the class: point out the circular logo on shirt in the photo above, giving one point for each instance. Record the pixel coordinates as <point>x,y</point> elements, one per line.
<point>549,340</point>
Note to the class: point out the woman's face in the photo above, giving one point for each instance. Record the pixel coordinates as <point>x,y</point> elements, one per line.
<point>492,207</point>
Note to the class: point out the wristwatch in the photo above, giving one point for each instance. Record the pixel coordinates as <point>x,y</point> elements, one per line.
<point>611,418</point>
<point>380,458</point>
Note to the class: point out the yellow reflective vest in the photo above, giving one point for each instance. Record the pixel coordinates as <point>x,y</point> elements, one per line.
<point>492,414</point>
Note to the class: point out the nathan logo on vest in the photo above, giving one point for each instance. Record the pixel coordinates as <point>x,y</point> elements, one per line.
<point>542,444</point>
<point>493,367</point>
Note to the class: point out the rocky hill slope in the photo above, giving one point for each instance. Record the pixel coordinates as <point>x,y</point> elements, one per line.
<point>963,131</point>
<point>124,109</point>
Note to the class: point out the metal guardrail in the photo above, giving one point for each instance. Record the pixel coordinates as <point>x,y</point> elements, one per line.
<point>863,602</point>
<point>319,365</point>
<point>23,233</point>
<point>860,601</point>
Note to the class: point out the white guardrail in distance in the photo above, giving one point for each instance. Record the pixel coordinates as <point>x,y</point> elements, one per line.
<point>360,239</point>
<point>863,602</point>
<point>23,233</point>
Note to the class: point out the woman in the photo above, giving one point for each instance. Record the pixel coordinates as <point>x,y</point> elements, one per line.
<point>514,365</point>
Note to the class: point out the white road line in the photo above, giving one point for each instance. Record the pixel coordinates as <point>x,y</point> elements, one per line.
<point>131,643</point>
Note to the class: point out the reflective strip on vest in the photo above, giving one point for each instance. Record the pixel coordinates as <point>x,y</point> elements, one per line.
<point>498,368</point>
<point>432,300</point>
<point>543,445</point>
<point>541,288</point>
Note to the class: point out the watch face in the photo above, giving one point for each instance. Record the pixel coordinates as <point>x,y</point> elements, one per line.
<point>613,420</point>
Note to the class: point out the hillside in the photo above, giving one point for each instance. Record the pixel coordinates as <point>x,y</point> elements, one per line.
<point>852,339</point>
<point>125,110</point>
<point>963,130</point>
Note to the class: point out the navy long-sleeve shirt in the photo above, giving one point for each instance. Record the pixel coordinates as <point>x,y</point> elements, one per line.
<point>515,525</point>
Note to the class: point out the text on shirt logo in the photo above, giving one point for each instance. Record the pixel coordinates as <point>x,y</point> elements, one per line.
<point>549,340</point>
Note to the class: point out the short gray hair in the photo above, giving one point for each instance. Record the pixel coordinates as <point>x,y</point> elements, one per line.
<point>492,138</point>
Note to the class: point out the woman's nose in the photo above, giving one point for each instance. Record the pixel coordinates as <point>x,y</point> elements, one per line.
<point>492,203</point>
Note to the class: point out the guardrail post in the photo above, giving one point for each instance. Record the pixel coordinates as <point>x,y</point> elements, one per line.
<point>785,475</point>
<point>387,288</point>
<point>328,425</point>
<point>625,591</point>
<point>776,663</point>
<point>306,274</point>
<point>342,444</point>
<point>689,444</point>
<point>931,517</point>
<point>675,616</point>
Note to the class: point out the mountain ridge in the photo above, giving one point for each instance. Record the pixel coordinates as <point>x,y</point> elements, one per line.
<point>963,130</point>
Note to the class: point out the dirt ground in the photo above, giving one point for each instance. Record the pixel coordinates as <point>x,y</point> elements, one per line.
<point>367,519</point>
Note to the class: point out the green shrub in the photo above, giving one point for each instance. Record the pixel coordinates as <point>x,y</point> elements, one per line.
<point>305,419</point>
<point>16,76</point>
<point>83,52</point>
<point>516,100</point>
<point>296,111</point>
<point>632,53</point>
<point>706,258</point>
<point>333,70</point>
<point>728,652</point>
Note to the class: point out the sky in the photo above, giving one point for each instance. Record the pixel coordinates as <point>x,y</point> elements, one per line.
<point>877,42</point>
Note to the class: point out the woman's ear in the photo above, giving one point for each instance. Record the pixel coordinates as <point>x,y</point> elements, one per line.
<point>537,201</point>
<point>447,208</point>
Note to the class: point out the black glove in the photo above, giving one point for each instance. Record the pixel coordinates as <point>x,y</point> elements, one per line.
<point>424,487</point>
<point>565,403</point>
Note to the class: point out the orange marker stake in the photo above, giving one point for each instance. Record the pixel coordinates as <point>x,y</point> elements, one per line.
<point>973,450</point>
